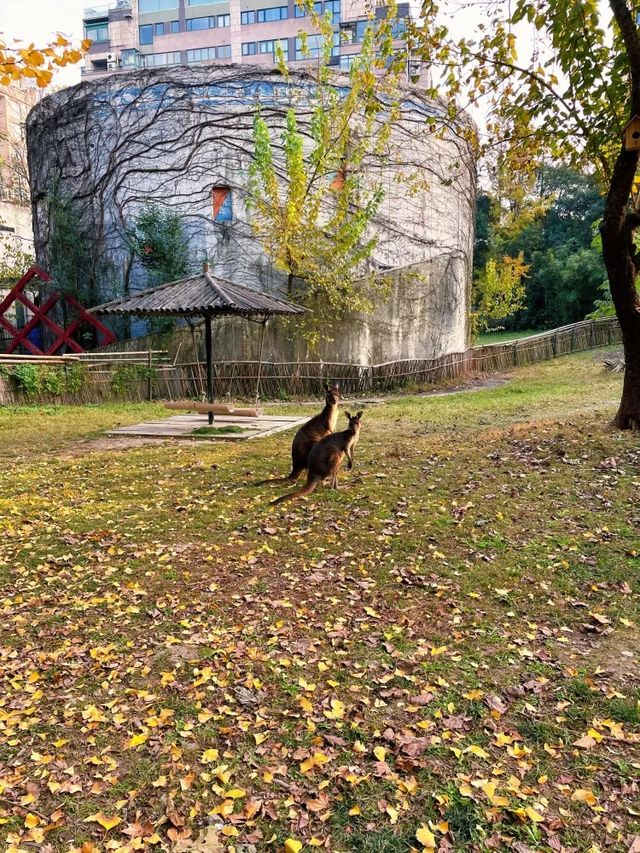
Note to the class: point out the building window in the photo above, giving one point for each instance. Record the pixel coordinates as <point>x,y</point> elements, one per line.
<point>159,29</point>
<point>299,11</point>
<point>201,2</point>
<point>347,61</point>
<point>222,204</point>
<point>175,26</point>
<point>154,60</point>
<point>333,6</point>
<point>97,32</point>
<point>275,13</point>
<point>269,46</point>
<point>224,20</point>
<point>146,34</point>
<point>206,54</point>
<point>156,5</point>
<point>247,17</point>
<point>249,48</point>
<point>314,47</point>
<point>200,23</point>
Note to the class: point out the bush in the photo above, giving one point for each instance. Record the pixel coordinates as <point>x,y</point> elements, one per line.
<point>34,380</point>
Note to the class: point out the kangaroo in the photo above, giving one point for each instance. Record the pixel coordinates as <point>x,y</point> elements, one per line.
<point>310,434</point>
<point>326,458</point>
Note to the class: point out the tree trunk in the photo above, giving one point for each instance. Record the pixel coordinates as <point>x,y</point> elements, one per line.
<point>622,264</point>
<point>617,229</point>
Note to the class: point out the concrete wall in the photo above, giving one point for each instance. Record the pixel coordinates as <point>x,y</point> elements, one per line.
<point>172,136</point>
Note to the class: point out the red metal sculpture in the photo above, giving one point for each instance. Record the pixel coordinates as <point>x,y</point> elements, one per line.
<point>64,337</point>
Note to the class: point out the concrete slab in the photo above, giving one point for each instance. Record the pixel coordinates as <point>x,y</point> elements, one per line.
<point>182,426</point>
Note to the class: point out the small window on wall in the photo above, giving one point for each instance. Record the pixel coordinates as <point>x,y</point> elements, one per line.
<point>338,179</point>
<point>222,204</point>
<point>146,34</point>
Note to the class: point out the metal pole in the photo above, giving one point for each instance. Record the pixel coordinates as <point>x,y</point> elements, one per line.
<point>207,343</point>
<point>264,328</point>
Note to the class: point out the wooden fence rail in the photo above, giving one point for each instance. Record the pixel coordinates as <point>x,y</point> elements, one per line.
<point>150,374</point>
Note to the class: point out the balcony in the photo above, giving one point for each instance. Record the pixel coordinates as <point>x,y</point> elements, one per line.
<point>92,12</point>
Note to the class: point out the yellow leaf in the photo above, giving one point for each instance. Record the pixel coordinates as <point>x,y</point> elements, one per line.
<point>584,795</point>
<point>380,753</point>
<point>292,846</point>
<point>230,831</point>
<point>136,740</point>
<point>209,755</point>
<point>259,738</point>
<point>355,811</point>
<point>393,813</point>
<point>337,710</point>
<point>426,837</point>
<point>31,821</point>
<point>236,793</point>
<point>533,815</point>
<point>477,750</point>
<point>306,705</point>
<point>104,821</point>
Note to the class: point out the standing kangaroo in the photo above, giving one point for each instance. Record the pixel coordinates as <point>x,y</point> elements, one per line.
<point>310,434</point>
<point>326,458</point>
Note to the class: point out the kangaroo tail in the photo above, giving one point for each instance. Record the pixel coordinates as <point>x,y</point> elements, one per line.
<point>305,490</point>
<point>295,473</point>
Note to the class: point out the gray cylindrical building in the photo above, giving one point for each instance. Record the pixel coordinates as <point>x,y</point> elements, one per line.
<point>182,138</point>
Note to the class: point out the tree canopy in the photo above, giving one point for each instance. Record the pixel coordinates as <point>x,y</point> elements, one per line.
<point>565,92</point>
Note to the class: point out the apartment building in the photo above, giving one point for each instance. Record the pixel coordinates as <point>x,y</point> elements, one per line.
<point>15,204</point>
<point>130,34</point>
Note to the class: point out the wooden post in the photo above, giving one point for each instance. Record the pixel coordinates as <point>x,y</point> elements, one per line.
<point>149,379</point>
<point>208,348</point>
<point>264,328</point>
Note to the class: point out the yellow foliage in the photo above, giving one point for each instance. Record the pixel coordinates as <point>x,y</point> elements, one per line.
<point>17,63</point>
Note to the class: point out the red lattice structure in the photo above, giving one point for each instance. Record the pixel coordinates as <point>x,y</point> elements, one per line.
<point>40,315</point>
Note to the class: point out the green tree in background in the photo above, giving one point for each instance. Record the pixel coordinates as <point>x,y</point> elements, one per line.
<point>159,243</point>
<point>565,268</point>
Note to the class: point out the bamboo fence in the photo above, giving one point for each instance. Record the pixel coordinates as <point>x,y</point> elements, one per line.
<point>157,378</point>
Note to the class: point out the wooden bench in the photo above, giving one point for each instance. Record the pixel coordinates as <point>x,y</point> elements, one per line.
<point>212,408</point>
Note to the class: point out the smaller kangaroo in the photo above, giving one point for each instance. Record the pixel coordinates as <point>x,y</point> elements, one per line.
<point>326,458</point>
<point>310,434</point>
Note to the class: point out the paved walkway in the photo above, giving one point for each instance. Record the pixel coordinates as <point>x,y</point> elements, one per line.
<point>183,426</point>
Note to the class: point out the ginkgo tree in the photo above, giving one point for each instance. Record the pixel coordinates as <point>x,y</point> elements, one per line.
<point>18,61</point>
<point>309,201</point>
<point>560,79</point>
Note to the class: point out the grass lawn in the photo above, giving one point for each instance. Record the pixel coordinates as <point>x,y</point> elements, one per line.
<point>448,645</point>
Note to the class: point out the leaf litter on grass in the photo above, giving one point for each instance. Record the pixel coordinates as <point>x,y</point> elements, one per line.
<point>423,660</point>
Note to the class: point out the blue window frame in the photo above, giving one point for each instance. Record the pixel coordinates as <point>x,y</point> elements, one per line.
<point>146,34</point>
<point>175,26</point>
<point>97,31</point>
<point>156,5</point>
<point>274,13</point>
<point>222,204</point>
<point>249,48</point>
<point>207,23</point>
<point>159,29</point>
<point>247,17</point>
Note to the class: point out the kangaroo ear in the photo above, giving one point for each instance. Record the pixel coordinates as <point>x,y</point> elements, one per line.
<point>348,414</point>
<point>359,415</point>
